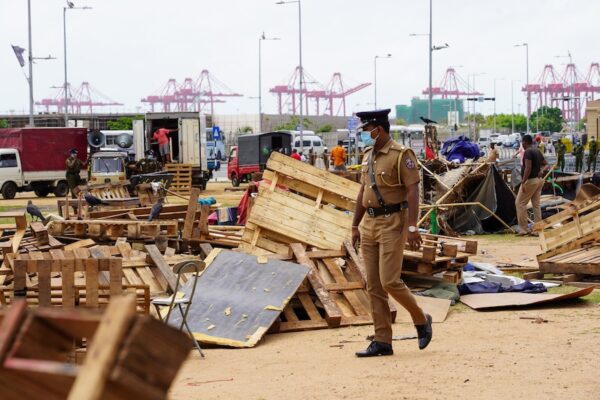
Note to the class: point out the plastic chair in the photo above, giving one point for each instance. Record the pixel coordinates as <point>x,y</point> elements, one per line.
<point>183,303</point>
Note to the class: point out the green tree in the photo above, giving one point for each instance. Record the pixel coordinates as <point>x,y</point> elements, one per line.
<point>3,123</point>
<point>123,123</point>
<point>401,121</point>
<point>246,129</point>
<point>294,121</point>
<point>547,119</point>
<point>581,124</point>
<point>325,128</point>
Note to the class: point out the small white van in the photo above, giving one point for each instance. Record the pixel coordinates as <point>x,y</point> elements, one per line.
<point>310,141</point>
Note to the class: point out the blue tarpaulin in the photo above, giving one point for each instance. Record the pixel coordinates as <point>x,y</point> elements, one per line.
<point>460,148</point>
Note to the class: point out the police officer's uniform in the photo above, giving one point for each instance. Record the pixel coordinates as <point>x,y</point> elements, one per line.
<point>73,170</point>
<point>592,156</point>
<point>385,176</point>
<point>560,154</point>
<point>578,153</point>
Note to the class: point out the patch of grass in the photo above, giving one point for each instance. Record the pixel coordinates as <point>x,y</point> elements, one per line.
<point>592,298</point>
<point>497,237</point>
<point>460,308</point>
<point>10,208</point>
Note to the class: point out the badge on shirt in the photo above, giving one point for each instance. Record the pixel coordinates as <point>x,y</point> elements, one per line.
<point>409,163</point>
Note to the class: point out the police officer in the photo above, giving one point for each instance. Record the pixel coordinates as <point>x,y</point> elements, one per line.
<point>578,153</point>
<point>73,170</point>
<point>147,164</point>
<point>592,154</point>
<point>560,155</point>
<point>384,220</point>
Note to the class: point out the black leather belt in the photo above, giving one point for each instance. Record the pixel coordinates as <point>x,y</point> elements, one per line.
<point>387,210</point>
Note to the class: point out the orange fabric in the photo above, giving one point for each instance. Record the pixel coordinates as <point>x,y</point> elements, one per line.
<point>161,135</point>
<point>338,155</point>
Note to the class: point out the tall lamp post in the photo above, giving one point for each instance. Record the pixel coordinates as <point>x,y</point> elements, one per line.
<point>301,68</point>
<point>526,45</point>
<point>70,6</point>
<point>260,39</point>
<point>375,73</point>
<point>495,79</point>
<point>432,48</point>
<point>571,99</point>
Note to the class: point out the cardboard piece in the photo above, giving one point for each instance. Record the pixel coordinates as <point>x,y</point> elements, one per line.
<point>238,298</point>
<point>437,308</point>
<point>498,300</point>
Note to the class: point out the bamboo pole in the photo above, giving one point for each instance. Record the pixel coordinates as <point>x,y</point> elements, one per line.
<point>472,203</point>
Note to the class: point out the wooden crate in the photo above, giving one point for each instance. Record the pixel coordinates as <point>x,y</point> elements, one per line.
<point>113,229</point>
<point>182,178</point>
<point>315,211</point>
<point>583,261</point>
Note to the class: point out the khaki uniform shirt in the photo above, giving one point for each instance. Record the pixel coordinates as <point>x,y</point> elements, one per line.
<point>391,182</point>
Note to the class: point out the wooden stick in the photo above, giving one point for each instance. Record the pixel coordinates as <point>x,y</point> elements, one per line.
<point>474,203</point>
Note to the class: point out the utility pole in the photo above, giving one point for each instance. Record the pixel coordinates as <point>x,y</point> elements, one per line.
<point>260,39</point>
<point>30,56</point>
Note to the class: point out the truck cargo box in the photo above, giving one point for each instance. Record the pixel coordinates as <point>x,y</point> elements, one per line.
<point>44,149</point>
<point>255,149</point>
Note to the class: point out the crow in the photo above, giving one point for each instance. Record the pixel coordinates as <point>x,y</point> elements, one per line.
<point>34,211</point>
<point>427,120</point>
<point>93,200</point>
<point>156,209</point>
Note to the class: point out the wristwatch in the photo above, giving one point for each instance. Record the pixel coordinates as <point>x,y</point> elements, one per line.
<point>412,229</point>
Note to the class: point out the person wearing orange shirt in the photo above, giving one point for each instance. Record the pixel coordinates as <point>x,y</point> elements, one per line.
<point>338,157</point>
<point>160,135</point>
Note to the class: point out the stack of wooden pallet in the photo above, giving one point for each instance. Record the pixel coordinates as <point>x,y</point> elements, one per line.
<point>130,355</point>
<point>182,178</point>
<point>570,241</point>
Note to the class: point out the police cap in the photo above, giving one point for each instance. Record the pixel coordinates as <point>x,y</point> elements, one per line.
<point>376,117</point>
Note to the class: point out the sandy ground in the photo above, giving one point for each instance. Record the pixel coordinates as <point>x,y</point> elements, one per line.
<point>474,355</point>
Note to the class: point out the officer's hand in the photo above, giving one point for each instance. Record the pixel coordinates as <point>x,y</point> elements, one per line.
<point>355,236</point>
<point>414,241</point>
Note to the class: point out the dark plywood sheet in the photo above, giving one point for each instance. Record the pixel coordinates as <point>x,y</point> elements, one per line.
<point>239,296</point>
<point>498,300</point>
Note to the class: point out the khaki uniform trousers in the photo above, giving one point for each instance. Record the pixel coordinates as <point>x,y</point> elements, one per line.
<point>530,190</point>
<point>382,245</point>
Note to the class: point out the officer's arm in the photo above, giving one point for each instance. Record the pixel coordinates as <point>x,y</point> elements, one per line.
<point>359,211</point>
<point>412,197</point>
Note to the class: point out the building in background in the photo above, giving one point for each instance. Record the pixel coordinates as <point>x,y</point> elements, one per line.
<point>439,111</point>
<point>592,115</point>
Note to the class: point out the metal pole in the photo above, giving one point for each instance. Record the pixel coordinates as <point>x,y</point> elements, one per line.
<point>430,94</point>
<point>495,105</point>
<point>65,61</point>
<point>30,55</point>
<point>301,73</point>
<point>527,84</point>
<point>260,84</point>
<point>512,105</point>
<point>375,80</point>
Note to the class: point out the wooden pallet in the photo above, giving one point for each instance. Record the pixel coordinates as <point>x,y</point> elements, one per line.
<point>583,261</point>
<point>108,191</point>
<point>314,211</point>
<point>182,178</point>
<point>575,222</point>
<point>129,355</point>
<point>114,229</point>
<point>334,293</point>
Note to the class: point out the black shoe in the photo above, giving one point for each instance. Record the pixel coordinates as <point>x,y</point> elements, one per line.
<point>424,332</point>
<point>376,349</point>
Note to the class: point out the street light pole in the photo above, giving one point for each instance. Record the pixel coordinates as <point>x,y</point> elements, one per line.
<point>70,6</point>
<point>430,94</point>
<point>495,79</point>
<point>301,68</point>
<point>260,39</point>
<point>30,56</point>
<point>526,45</point>
<point>375,77</point>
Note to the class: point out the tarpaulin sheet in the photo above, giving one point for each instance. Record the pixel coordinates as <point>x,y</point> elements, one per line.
<point>44,149</point>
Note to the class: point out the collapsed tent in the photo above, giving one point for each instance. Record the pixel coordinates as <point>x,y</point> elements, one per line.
<point>494,194</point>
<point>460,148</point>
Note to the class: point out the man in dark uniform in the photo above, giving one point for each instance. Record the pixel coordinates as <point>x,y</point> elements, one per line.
<point>592,155</point>
<point>389,195</point>
<point>578,153</point>
<point>147,164</point>
<point>73,170</point>
<point>560,154</point>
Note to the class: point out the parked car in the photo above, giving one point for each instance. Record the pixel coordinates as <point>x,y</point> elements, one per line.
<point>309,142</point>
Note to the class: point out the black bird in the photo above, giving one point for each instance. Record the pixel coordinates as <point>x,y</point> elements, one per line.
<point>93,200</point>
<point>427,120</point>
<point>156,209</point>
<point>34,211</point>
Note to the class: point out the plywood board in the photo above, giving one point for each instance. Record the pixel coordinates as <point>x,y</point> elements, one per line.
<point>498,300</point>
<point>238,298</point>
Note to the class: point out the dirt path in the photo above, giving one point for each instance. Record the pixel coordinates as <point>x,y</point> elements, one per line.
<point>474,355</point>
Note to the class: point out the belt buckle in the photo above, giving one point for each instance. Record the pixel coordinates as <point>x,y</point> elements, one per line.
<point>371,212</point>
<point>387,214</point>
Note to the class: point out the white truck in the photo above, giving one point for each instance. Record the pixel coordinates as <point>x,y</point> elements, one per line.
<point>33,159</point>
<point>186,144</point>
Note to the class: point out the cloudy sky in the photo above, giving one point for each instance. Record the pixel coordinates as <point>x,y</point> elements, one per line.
<point>128,49</point>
